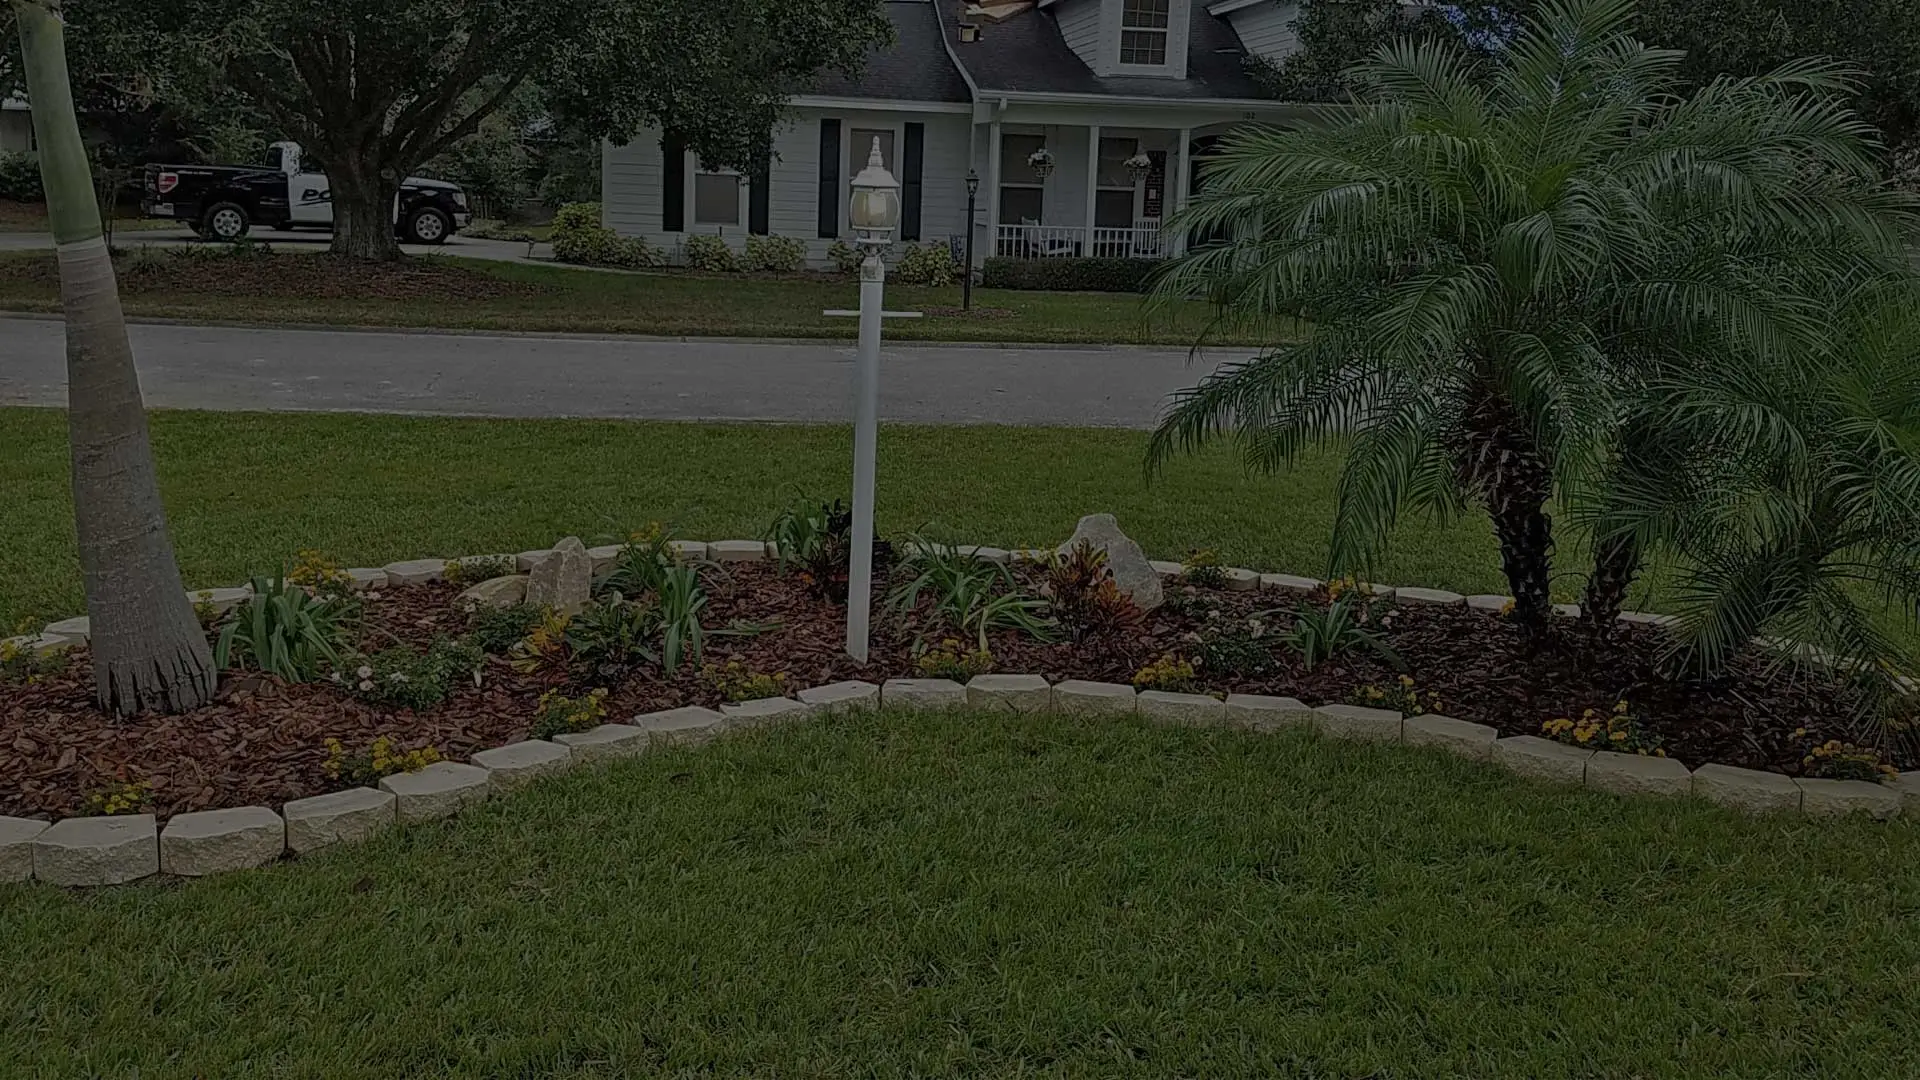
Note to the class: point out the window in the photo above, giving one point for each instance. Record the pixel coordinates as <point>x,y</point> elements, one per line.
<point>1020,205</point>
<point>860,148</point>
<point>1143,32</point>
<point>1113,162</point>
<point>1021,193</point>
<point>716,198</point>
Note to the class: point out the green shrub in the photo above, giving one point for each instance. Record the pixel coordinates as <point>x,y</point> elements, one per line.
<point>704,251</point>
<point>927,264</point>
<point>579,238</point>
<point>20,178</point>
<point>774,254</point>
<point>496,630</point>
<point>400,676</point>
<point>845,257</point>
<point>1070,275</point>
<point>475,569</point>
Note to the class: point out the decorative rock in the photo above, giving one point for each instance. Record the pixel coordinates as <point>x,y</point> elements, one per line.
<point>360,579</point>
<point>923,694</point>
<point>1489,602</point>
<point>731,551</point>
<point>74,631</point>
<point>1433,597</point>
<point>763,712</point>
<point>1632,774</point>
<point>1566,611</point>
<point>685,726</point>
<point>604,742</point>
<point>1077,697</point>
<point>221,600</point>
<point>1131,571</point>
<point>1746,789</point>
<point>603,556</point>
<point>1260,712</point>
<point>989,554</point>
<point>1190,710</point>
<point>1167,569</point>
<point>97,850</point>
<point>1010,693</point>
<point>1838,798</point>
<point>1358,722</point>
<point>564,579</point>
<point>841,697</point>
<point>518,764</point>
<point>1542,759</point>
<point>500,592</point>
<point>16,847</point>
<point>416,571</point>
<point>439,790</point>
<point>216,841</point>
<point>1647,618</point>
<point>1462,737</point>
<point>340,817</point>
<point>1240,580</point>
<point>1290,583</point>
<point>527,560</point>
<point>689,550</point>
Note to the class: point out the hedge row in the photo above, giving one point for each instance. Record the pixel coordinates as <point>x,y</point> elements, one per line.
<point>1069,274</point>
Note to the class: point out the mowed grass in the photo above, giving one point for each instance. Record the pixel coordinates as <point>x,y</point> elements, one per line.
<point>977,895</point>
<point>672,304</point>
<point>244,492</point>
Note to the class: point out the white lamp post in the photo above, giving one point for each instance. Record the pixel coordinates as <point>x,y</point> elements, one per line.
<point>874,212</point>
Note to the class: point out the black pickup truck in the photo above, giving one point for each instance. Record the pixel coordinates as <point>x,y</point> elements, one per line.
<point>223,202</point>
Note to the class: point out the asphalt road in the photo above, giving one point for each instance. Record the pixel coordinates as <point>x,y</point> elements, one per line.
<point>211,367</point>
<point>466,247</point>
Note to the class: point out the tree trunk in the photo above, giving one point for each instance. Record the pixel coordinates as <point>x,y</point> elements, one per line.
<point>1519,484</point>
<point>363,198</point>
<point>1615,564</point>
<point>148,648</point>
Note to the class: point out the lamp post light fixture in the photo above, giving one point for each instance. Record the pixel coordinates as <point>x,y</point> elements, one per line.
<point>873,213</point>
<point>966,272</point>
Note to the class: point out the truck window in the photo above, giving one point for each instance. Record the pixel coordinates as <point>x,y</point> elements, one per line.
<point>274,157</point>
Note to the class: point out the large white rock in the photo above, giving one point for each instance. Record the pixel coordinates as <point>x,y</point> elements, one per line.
<point>564,579</point>
<point>1463,737</point>
<point>1186,710</point>
<point>1749,790</point>
<point>416,571</point>
<point>841,697</point>
<point>604,742</point>
<point>1077,697</point>
<point>1543,759</point>
<point>1131,571</point>
<point>1633,774</point>
<point>339,817</point>
<point>1010,693</point>
<point>923,694</point>
<point>216,841</point>
<point>763,712</point>
<point>440,790</point>
<point>74,631</point>
<point>98,850</point>
<point>527,560</point>
<point>500,592</point>
<point>1358,722</point>
<point>16,847</point>
<point>521,763</point>
<point>686,726</point>
<point>1260,712</point>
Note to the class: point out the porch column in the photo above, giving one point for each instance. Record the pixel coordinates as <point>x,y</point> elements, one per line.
<point>992,246</point>
<point>1093,186</point>
<point>1182,180</point>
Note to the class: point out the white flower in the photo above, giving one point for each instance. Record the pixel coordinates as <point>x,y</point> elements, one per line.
<point>398,676</point>
<point>336,677</point>
<point>365,672</point>
<point>366,684</point>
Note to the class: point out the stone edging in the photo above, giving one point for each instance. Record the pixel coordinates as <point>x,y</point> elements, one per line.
<point>115,850</point>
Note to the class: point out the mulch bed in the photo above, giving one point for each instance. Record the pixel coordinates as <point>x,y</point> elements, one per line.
<point>263,742</point>
<point>210,272</point>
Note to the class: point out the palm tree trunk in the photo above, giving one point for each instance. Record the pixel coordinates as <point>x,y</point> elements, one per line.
<point>148,648</point>
<point>1517,501</point>
<point>1615,564</point>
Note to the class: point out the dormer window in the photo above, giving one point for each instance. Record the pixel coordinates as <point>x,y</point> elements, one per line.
<point>1143,33</point>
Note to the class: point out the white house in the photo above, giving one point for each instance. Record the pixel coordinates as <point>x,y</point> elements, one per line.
<point>16,126</point>
<point>1081,118</point>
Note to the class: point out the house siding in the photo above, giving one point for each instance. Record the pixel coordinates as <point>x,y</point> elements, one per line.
<point>1080,25</point>
<point>632,179</point>
<point>1266,29</point>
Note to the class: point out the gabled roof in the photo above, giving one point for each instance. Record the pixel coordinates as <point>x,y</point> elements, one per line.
<point>916,68</point>
<point>1026,53</point>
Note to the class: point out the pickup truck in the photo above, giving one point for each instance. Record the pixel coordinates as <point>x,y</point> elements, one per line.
<point>223,202</point>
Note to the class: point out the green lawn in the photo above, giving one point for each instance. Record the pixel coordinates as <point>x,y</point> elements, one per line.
<point>901,896</point>
<point>32,217</point>
<point>245,491</point>
<point>551,298</point>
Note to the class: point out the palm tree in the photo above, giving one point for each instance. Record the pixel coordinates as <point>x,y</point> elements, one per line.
<point>148,648</point>
<point>1493,264</point>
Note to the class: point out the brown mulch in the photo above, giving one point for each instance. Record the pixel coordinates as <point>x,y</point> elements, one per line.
<point>262,743</point>
<point>305,277</point>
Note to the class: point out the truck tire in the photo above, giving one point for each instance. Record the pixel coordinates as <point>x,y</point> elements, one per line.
<point>428,225</point>
<point>225,222</point>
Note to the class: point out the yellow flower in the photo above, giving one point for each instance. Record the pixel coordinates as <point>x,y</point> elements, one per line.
<point>1406,680</point>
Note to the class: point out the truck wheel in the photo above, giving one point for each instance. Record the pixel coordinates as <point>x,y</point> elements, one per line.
<point>225,222</point>
<point>428,225</point>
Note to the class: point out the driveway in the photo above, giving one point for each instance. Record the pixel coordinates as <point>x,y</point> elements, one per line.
<point>211,367</point>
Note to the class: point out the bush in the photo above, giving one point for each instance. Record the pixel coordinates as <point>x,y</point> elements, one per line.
<point>774,254</point>
<point>1072,275</point>
<point>927,264</point>
<point>20,178</point>
<point>283,631</point>
<point>578,237</point>
<point>400,676</point>
<point>845,257</point>
<point>709,253</point>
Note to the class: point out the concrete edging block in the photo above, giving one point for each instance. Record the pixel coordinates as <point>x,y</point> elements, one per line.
<point>1637,774</point>
<point>1262,712</point>
<point>1462,737</point>
<point>1358,722</point>
<point>923,694</point>
<point>1839,798</point>
<point>845,696</point>
<point>16,847</point>
<point>337,817</point>
<point>764,712</point>
<point>604,743</point>
<point>220,841</point>
<point>1189,710</point>
<point>1542,759</point>
<point>1078,697</point>
<point>1749,790</point>
<point>737,551</point>
<point>97,850</point>
<point>689,725</point>
<point>442,789</point>
<point>1010,693</point>
<point>518,764</point>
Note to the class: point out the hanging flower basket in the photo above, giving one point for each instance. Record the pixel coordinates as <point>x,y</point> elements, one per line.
<point>1138,166</point>
<point>1041,162</point>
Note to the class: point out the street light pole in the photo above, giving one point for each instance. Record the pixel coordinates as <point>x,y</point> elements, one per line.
<point>966,281</point>
<point>873,213</point>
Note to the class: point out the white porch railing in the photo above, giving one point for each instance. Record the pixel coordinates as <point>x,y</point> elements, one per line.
<point>1069,241</point>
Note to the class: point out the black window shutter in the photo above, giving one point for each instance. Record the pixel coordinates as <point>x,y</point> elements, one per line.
<point>829,179</point>
<point>757,208</point>
<point>910,166</point>
<point>673,184</point>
